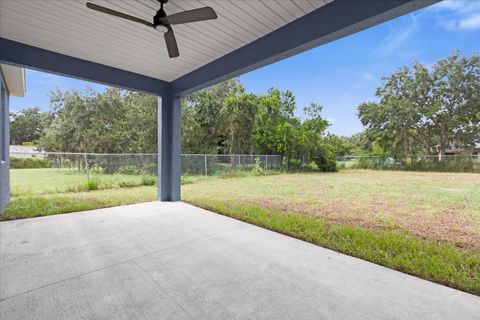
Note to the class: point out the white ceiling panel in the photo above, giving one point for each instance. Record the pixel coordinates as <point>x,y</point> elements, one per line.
<point>69,27</point>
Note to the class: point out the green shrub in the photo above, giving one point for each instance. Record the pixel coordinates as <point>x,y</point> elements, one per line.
<point>92,184</point>
<point>149,181</point>
<point>128,184</point>
<point>257,170</point>
<point>294,164</point>
<point>325,163</point>
<point>311,167</point>
<point>185,178</point>
<point>29,163</point>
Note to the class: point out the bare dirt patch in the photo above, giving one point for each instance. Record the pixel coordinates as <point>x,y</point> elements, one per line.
<point>443,224</point>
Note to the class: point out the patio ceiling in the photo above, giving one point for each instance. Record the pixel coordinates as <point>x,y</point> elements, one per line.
<point>70,28</point>
<point>67,38</point>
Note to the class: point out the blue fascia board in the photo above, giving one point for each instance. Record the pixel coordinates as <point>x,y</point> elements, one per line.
<point>335,20</point>
<point>23,55</point>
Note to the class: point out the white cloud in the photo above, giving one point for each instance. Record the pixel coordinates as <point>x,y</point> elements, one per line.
<point>469,23</point>
<point>472,22</point>
<point>458,6</point>
<point>457,15</point>
<point>398,34</point>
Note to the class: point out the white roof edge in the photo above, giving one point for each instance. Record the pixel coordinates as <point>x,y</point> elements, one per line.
<point>15,79</point>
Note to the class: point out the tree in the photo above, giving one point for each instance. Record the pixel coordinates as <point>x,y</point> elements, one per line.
<point>453,113</point>
<point>316,146</point>
<point>114,121</point>
<point>341,146</point>
<point>27,125</point>
<point>275,110</point>
<point>422,110</point>
<point>204,109</point>
<point>238,116</point>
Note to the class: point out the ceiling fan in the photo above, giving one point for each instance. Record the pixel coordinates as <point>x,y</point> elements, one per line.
<point>163,22</point>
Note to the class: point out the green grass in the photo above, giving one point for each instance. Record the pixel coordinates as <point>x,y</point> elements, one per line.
<point>49,181</point>
<point>49,204</point>
<point>436,206</point>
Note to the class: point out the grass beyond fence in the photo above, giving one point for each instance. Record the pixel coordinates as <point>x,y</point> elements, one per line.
<point>446,163</point>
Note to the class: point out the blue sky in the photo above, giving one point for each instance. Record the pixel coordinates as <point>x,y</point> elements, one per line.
<point>341,74</point>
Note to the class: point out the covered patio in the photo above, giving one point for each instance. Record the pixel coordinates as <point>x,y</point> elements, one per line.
<point>167,259</point>
<point>171,260</point>
<point>70,39</point>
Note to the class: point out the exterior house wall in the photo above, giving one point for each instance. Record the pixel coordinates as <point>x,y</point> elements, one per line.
<point>4,144</point>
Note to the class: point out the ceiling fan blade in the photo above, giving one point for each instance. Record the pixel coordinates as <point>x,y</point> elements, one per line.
<point>117,14</point>
<point>171,44</point>
<point>201,14</point>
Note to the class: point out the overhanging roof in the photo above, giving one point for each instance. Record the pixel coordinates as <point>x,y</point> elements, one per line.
<point>15,79</point>
<point>67,38</point>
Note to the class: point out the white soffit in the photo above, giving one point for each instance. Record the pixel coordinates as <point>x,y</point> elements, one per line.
<point>15,79</point>
<point>70,28</point>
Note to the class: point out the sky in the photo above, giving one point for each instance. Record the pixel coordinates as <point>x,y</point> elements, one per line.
<point>339,75</point>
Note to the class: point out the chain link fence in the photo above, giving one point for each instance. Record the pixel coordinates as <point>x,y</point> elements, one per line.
<point>210,164</point>
<point>439,163</point>
<point>54,172</point>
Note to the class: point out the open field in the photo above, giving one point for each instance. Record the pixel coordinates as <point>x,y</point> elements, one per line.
<point>425,224</point>
<point>437,206</point>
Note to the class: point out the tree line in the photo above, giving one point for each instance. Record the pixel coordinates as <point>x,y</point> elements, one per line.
<point>418,110</point>
<point>223,119</point>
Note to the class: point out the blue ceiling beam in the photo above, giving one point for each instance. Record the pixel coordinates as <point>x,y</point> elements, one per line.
<point>23,55</point>
<point>328,23</point>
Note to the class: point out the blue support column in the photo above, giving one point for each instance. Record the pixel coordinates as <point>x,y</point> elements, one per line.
<point>4,145</point>
<point>169,145</point>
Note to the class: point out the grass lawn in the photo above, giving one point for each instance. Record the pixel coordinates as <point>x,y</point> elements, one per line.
<point>43,181</point>
<point>437,206</point>
<point>425,224</point>
<point>29,206</point>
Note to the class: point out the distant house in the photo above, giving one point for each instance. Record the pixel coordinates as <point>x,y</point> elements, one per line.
<point>26,152</point>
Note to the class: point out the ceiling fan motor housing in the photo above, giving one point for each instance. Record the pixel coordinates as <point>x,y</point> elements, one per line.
<point>157,23</point>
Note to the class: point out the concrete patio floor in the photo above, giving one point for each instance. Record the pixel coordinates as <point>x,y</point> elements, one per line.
<point>175,261</point>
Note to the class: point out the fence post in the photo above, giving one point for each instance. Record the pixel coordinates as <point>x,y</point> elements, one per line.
<point>86,166</point>
<point>266,162</point>
<point>206,169</point>
<point>239,162</point>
